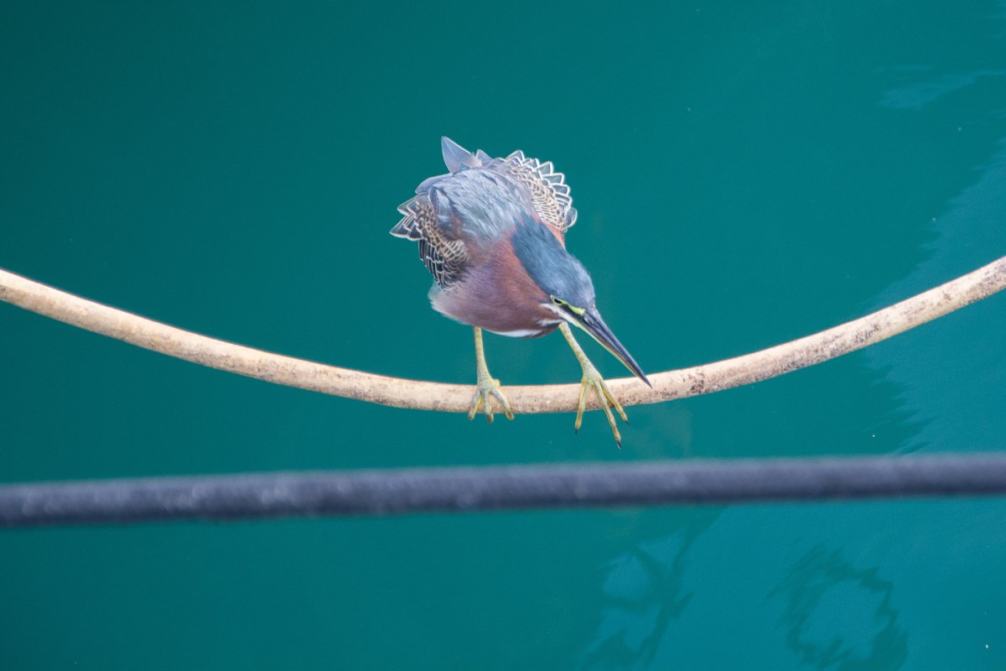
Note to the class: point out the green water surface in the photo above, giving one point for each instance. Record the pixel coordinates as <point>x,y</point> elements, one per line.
<point>745,173</point>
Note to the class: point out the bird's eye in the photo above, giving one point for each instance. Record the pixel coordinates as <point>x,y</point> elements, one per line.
<point>568,307</point>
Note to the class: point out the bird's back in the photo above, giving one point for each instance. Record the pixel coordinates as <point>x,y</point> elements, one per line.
<point>479,204</point>
<point>458,217</point>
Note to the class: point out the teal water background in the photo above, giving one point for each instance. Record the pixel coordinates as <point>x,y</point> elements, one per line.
<point>746,173</point>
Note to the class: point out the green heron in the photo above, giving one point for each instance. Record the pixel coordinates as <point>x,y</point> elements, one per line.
<point>492,232</point>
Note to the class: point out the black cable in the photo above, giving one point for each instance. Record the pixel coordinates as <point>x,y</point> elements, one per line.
<point>391,492</point>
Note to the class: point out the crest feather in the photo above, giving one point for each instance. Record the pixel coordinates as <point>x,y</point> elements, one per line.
<point>457,157</point>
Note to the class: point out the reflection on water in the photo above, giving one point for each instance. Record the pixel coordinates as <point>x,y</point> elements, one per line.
<point>919,94</point>
<point>643,593</point>
<point>840,617</point>
<point>965,350</point>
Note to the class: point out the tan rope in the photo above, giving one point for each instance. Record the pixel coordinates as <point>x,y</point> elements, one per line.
<point>403,393</point>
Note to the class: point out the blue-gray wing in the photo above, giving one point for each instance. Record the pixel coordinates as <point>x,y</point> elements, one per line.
<point>459,215</point>
<point>543,188</point>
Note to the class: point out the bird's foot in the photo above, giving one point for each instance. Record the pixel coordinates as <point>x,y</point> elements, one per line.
<point>592,380</point>
<point>487,393</point>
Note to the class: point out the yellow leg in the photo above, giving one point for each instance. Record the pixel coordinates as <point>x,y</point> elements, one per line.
<point>487,389</point>
<point>592,380</point>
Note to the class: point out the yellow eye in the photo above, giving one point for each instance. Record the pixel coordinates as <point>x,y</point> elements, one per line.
<point>572,308</point>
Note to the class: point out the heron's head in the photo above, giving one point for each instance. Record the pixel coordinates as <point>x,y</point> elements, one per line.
<point>568,289</point>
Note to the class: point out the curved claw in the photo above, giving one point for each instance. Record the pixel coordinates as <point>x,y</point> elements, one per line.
<point>487,393</point>
<point>592,380</point>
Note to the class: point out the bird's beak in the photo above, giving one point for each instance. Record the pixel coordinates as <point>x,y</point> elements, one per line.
<point>592,323</point>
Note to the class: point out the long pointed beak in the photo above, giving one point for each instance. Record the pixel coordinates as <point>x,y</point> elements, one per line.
<point>592,323</point>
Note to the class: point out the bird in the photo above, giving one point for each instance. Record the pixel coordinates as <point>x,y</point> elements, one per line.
<point>492,233</point>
